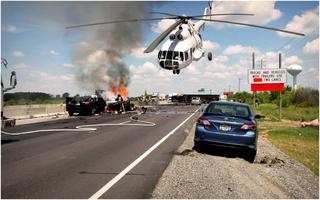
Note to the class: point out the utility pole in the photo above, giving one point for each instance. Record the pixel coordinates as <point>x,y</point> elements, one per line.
<point>280,94</point>
<point>254,93</point>
<point>239,85</point>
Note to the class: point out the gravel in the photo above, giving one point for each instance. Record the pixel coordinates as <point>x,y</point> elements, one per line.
<point>223,173</point>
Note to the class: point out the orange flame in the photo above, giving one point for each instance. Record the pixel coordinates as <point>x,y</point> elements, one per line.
<point>122,90</point>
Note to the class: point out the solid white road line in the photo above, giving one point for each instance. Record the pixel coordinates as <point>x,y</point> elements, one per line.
<point>107,186</point>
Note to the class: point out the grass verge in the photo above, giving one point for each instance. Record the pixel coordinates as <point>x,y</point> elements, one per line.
<point>295,113</point>
<point>302,144</point>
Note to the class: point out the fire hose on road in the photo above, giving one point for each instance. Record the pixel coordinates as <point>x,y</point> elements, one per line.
<point>91,127</point>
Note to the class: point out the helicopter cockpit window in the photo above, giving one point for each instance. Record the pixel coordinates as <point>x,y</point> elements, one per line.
<point>159,54</point>
<point>186,55</point>
<point>181,56</point>
<point>163,54</point>
<point>169,55</point>
<point>175,55</point>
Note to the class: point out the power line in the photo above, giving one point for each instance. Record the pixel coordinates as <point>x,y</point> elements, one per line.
<point>300,44</point>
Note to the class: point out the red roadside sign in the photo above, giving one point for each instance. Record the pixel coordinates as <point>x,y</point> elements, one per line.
<point>267,79</point>
<point>267,87</point>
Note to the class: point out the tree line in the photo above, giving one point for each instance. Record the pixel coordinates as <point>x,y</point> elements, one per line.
<point>25,98</point>
<point>303,97</point>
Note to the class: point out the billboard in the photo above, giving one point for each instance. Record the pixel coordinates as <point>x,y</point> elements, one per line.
<point>267,79</point>
<point>263,76</point>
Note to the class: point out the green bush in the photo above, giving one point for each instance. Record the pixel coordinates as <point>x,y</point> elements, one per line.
<point>243,97</point>
<point>306,97</point>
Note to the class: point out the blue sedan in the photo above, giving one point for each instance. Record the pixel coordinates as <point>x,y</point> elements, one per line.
<point>228,124</point>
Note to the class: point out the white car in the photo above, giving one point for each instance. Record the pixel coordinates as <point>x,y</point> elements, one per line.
<point>195,101</point>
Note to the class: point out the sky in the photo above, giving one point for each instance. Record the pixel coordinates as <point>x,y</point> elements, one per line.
<point>49,58</point>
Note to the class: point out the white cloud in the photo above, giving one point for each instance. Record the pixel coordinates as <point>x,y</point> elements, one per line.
<point>21,66</point>
<point>213,75</point>
<point>239,49</point>
<point>264,11</point>
<point>210,45</point>
<point>312,69</point>
<point>18,54</point>
<point>220,58</point>
<point>68,65</point>
<point>138,53</point>
<point>292,60</point>
<point>53,52</point>
<point>312,47</point>
<point>306,23</point>
<point>43,77</point>
<point>147,68</point>
<point>271,60</point>
<point>67,77</point>
<point>162,25</point>
<point>10,29</point>
<point>191,70</point>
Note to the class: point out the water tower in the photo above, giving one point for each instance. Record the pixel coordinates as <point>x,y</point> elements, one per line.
<point>294,70</point>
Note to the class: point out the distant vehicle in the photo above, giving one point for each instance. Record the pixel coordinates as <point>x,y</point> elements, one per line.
<point>195,101</point>
<point>85,105</point>
<point>228,124</point>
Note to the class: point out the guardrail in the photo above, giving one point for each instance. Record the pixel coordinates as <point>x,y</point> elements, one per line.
<point>31,111</point>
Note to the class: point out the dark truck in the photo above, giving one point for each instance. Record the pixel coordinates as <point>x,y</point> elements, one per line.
<point>85,105</point>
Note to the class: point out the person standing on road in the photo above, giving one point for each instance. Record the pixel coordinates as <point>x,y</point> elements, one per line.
<point>119,100</point>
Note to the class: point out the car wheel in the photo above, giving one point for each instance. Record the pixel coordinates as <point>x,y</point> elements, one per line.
<point>251,155</point>
<point>70,113</point>
<point>198,147</point>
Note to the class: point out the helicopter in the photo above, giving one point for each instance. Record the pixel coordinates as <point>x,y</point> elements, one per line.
<point>184,44</point>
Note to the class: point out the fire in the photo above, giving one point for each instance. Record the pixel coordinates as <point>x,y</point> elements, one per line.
<point>122,90</point>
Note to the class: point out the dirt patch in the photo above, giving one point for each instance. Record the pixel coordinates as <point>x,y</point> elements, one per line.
<point>184,152</point>
<point>270,161</point>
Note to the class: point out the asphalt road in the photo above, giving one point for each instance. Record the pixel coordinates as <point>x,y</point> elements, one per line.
<point>76,164</point>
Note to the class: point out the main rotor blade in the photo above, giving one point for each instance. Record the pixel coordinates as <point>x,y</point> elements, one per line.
<point>159,39</point>
<point>252,25</point>
<point>119,21</point>
<point>164,13</point>
<point>223,14</point>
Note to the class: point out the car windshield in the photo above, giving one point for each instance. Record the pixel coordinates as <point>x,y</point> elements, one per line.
<point>81,99</point>
<point>230,110</point>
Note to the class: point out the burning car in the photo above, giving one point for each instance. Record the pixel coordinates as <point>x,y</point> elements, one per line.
<point>85,105</point>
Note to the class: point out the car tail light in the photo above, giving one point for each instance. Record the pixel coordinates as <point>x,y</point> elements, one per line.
<point>248,127</point>
<point>203,121</point>
<point>87,103</point>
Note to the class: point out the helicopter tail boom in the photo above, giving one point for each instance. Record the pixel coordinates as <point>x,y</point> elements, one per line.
<point>206,15</point>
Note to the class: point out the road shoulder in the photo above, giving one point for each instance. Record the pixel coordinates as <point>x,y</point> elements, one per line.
<point>209,175</point>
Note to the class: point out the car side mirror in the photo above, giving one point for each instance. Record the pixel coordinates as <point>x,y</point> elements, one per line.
<point>13,79</point>
<point>259,116</point>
